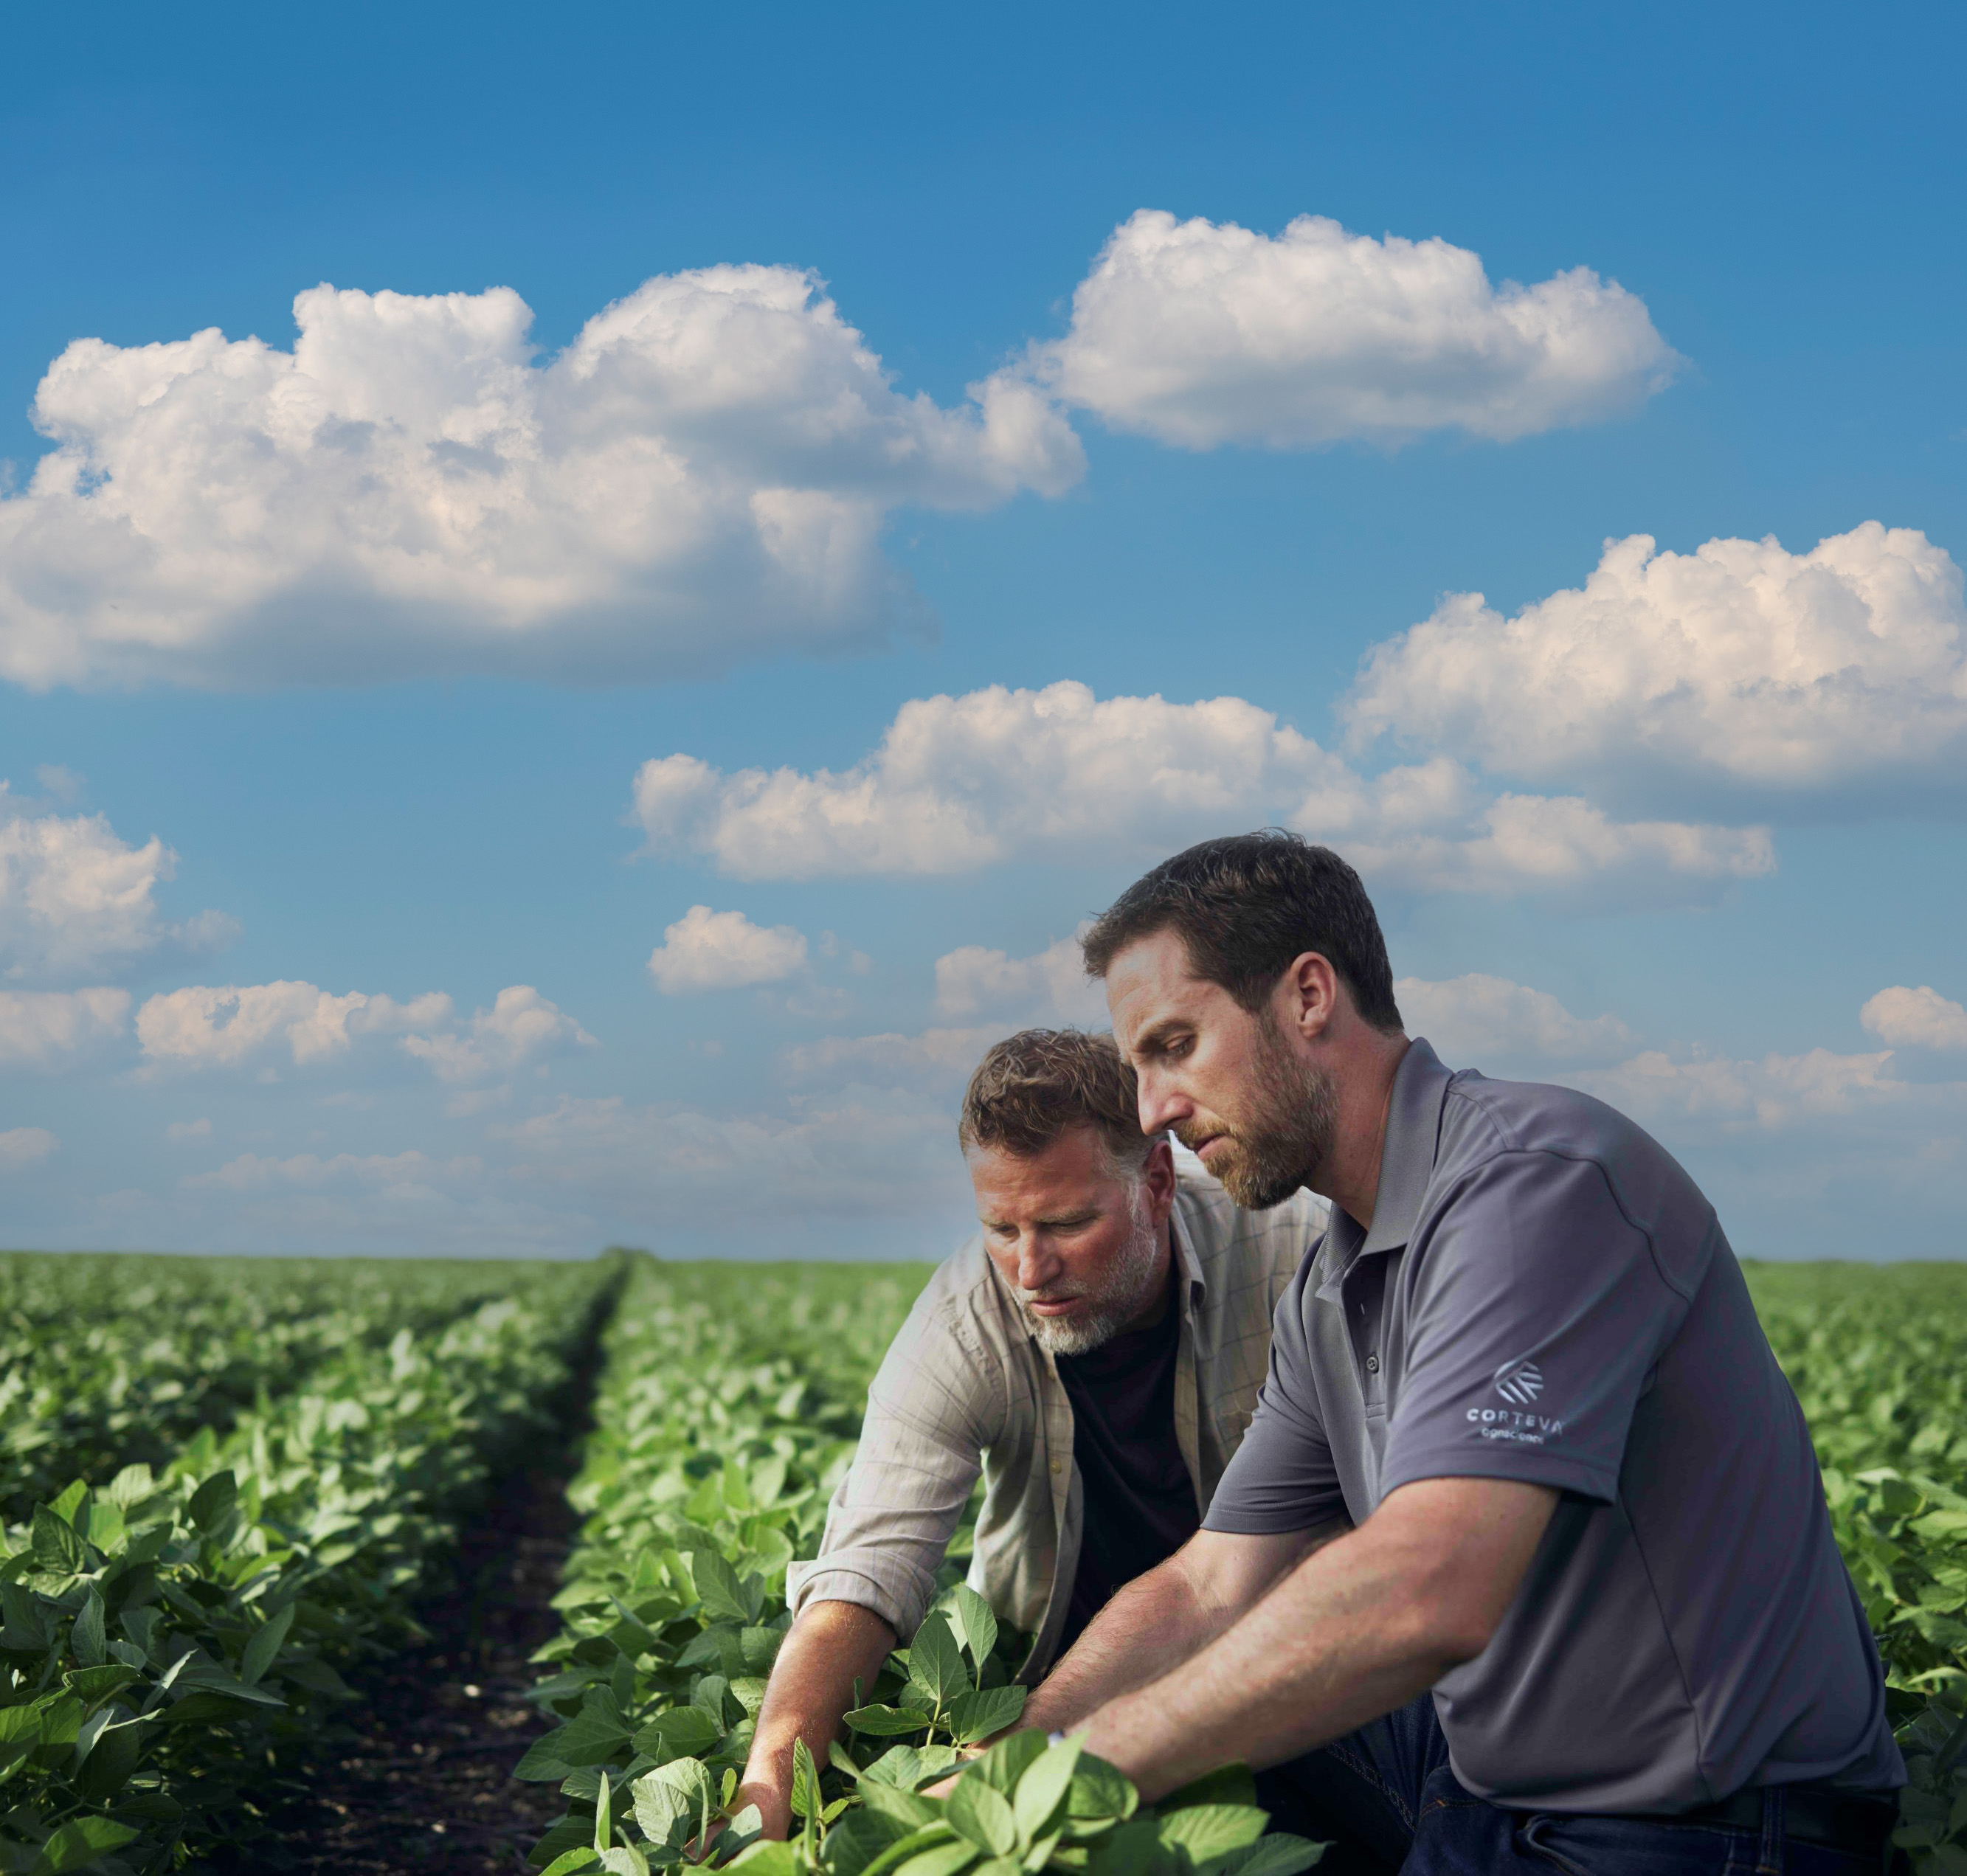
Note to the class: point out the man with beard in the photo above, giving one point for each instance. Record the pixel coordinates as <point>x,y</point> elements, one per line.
<point>1095,1353</point>
<point>1524,1561</point>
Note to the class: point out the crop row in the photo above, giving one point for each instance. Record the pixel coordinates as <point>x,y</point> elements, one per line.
<point>175,1636</point>
<point>105,1360</point>
<point>1878,1359</point>
<point>727,1413</point>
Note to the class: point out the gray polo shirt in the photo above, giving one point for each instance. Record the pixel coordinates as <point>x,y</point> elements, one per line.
<point>1545,1295</point>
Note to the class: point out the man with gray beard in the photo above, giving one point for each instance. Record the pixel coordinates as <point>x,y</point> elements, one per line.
<point>1095,1353</point>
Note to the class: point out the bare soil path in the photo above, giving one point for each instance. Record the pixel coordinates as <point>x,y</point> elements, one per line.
<point>416,1774</point>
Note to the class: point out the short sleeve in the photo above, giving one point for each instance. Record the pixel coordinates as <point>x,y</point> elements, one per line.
<point>1538,1317</point>
<point>1282,1477</point>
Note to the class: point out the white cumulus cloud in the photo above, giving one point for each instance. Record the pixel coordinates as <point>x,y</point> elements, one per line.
<point>1474,1018</point>
<point>37,1026</point>
<point>1777,1092</point>
<point>23,1147</point>
<point>702,476</point>
<point>76,900</point>
<point>1050,986</point>
<point>221,1026</point>
<point>1905,1018</point>
<point>1197,333</point>
<point>1782,673</point>
<point>521,1026</point>
<point>232,1025</point>
<point>723,950</point>
<point>962,782</point>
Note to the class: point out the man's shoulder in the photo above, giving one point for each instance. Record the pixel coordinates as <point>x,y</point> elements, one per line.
<point>954,1353</point>
<point>962,1300</point>
<point>1484,1121</point>
<point>1483,1117</point>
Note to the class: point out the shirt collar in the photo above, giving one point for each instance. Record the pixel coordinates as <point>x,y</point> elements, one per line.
<point>1406,1163</point>
<point>1188,1266</point>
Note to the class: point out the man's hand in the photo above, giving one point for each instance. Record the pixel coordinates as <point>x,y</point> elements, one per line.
<point>1351,1632</point>
<point>830,1647</point>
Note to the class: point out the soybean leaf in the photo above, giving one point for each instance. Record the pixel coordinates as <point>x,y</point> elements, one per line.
<point>213,1502</point>
<point>1207,1830</point>
<point>767,1859</point>
<point>976,1716</point>
<point>624,1860</point>
<point>746,1827</point>
<point>81,1841</point>
<point>886,1722</point>
<point>859,1838</point>
<point>565,1863</point>
<point>1007,1761</point>
<point>604,1816</point>
<point>976,1625</point>
<point>724,1598</point>
<point>908,1808</point>
<point>678,1732</point>
<point>87,1638</point>
<point>806,1801</point>
<point>595,1735</point>
<point>1134,1849</point>
<point>262,1649</point>
<point>131,1487</point>
<point>1042,1787</point>
<point>90,1685</point>
<point>1280,1854</point>
<point>942,1859</point>
<point>935,1663</point>
<point>1099,1792</point>
<point>980,1813</point>
<point>760,1647</point>
<point>56,1548</point>
<point>908,1767</point>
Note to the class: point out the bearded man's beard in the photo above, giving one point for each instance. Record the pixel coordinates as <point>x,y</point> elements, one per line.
<point>1286,1132</point>
<point>1123,1294</point>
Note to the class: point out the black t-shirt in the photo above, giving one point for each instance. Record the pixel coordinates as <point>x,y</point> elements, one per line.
<point>1139,1500</point>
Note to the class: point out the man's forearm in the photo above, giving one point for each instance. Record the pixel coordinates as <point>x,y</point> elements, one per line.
<point>1163,1617</point>
<point>1151,1625</point>
<point>1350,1633</point>
<point>830,1647</point>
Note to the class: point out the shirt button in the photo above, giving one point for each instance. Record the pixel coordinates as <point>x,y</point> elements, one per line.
<point>1372,1365</point>
<point>1054,1465</point>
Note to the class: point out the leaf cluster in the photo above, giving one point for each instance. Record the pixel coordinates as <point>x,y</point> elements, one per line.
<point>175,1638</point>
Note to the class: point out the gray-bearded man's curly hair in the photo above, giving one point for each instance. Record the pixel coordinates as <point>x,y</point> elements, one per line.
<point>1031,1088</point>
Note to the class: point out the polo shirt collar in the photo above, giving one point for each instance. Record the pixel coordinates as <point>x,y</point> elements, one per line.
<point>1406,1157</point>
<point>1407,1163</point>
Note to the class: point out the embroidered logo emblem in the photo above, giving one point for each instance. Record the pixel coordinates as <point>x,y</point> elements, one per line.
<point>1519,1382</point>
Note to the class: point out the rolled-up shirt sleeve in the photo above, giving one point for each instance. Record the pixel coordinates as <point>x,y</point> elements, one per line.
<point>1283,1477</point>
<point>1539,1317</point>
<point>932,1409</point>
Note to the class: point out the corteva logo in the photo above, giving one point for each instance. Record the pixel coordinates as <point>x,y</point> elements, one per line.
<point>1519,1382</point>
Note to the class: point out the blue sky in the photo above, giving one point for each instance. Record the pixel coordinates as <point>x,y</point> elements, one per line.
<point>374,639</point>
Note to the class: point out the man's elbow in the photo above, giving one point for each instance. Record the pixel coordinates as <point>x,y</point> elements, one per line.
<point>1451,1630</point>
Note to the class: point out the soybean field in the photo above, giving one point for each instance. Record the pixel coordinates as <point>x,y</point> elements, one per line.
<point>347,1566</point>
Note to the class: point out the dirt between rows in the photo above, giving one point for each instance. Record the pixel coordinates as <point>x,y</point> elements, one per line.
<point>416,1775</point>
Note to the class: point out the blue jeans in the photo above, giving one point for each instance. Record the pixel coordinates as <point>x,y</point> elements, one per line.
<point>1387,1795</point>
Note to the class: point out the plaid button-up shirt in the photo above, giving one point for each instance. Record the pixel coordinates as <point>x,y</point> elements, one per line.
<point>965,1388</point>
